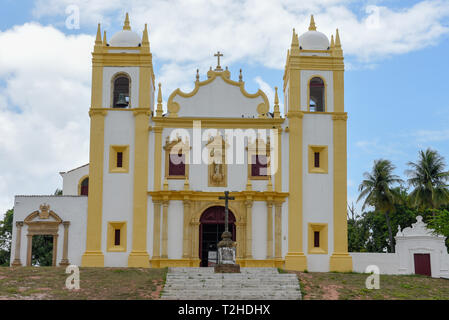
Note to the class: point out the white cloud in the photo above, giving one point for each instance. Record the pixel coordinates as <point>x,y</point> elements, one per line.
<point>260,30</point>
<point>44,100</point>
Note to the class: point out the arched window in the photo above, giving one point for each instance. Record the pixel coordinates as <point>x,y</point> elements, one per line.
<point>316,95</point>
<point>84,190</point>
<point>121,92</point>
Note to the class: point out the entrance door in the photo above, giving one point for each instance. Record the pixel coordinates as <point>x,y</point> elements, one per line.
<point>422,264</point>
<point>212,225</point>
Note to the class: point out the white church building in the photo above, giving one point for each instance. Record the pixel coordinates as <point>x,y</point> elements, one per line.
<point>149,196</point>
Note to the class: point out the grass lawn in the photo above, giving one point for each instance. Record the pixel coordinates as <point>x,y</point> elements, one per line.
<point>95,283</point>
<point>351,286</point>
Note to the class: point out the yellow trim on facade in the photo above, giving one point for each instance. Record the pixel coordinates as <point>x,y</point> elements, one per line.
<point>323,151</point>
<point>112,226</point>
<point>212,76</point>
<point>340,259</point>
<point>139,256</point>
<point>93,256</point>
<point>113,151</point>
<point>322,229</point>
<point>220,123</point>
<point>178,145</point>
<point>213,196</point>
<point>80,182</point>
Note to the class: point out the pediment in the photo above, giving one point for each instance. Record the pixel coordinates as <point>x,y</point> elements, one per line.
<point>43,215</point>
<point>218,97</point>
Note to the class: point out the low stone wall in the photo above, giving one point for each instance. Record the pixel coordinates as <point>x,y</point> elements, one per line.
<point>388,263</point>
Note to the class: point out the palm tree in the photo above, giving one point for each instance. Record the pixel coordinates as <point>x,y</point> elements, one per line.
<point>378,191</point>
<point>428,179</point>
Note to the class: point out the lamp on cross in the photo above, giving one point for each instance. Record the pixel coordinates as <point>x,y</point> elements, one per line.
<point>218,55</point>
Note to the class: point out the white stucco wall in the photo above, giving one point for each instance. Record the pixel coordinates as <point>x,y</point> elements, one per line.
<point>175,229</point>
<point>71,180</point>
<point>318,190</point>
<point>388,263</point>
<point>118,187</point>
<point>218,99</point>
<point>68,208</point>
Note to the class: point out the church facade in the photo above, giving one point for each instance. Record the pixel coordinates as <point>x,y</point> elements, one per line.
<point>149,196</point>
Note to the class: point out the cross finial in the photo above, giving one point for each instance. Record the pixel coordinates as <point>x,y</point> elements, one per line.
<point>218,55</point>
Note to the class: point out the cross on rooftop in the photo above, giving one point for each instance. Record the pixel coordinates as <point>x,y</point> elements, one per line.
<point>218,55</point>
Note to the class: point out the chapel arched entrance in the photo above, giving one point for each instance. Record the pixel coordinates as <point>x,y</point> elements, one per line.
<point>212,225</point>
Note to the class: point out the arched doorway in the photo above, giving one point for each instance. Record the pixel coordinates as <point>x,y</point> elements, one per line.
<point>212,225</point>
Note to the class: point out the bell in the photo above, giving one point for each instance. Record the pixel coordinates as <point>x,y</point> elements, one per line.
<point>121,102</point>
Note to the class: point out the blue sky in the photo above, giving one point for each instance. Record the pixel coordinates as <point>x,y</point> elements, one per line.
<point>396,88</point>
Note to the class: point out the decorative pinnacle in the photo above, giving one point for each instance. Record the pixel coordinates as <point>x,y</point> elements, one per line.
<point>145,41</point>
<point>240,76</point>
<point>332,41</point>
<point>126,25</point>
<point>105,41</point>
<point>337,39</point>
<point>197,75</point>
<point>277,113</point>
<point>98,39</point>
<point>295,41</point>
<point>312,26</point>
<point>159,102</point>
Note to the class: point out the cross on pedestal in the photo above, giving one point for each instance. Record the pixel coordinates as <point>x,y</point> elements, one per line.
<point>226,198</point>
<point>218,55</point>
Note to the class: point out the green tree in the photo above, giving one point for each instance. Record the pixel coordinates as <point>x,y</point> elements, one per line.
<point>5,238</point>
<point>428,178</point>
<point>378,191</point>
<point>439,221</point>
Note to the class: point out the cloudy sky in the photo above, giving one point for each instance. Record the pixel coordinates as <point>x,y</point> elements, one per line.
<point>396,88</point>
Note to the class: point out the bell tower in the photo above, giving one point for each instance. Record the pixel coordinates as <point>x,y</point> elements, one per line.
<point>121,105</point>
<point>314,103</point>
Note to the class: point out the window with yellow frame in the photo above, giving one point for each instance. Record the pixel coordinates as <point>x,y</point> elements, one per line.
<point>116,236</point>
<point>318,159</point>
<point>317,233</point>
<point>119,159</point>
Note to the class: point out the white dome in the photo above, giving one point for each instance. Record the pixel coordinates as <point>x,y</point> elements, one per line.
<point>313,40</point>
<point>125,38</point>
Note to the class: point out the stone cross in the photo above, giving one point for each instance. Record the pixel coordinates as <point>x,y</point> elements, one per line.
<point>226,198</point>
<point>218,55</point>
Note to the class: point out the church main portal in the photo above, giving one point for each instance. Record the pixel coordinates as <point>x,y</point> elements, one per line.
<point>212,225</point>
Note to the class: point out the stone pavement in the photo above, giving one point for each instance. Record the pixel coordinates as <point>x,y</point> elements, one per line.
<point>251,283</point>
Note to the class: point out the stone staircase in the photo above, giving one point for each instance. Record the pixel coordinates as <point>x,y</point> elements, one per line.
<point>251,283</point>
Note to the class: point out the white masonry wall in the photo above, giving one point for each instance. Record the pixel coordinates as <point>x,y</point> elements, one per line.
<point>71,180</point>
<point>68,208</point>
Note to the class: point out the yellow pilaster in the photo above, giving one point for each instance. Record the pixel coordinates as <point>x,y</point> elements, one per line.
<point>295,258</point>
<point>157,230</point>
<point>157,157</point>
<point>278,231</point>
<point>249,232</point>
<point>139,256</point>
<point>196,237</point>
<point>185,250</point>
<point>269,230</point>
<point>240,244</point>
<point>340,259</point>
<point>164,229</point>
<point>278,150</point>
<point>93,256</point>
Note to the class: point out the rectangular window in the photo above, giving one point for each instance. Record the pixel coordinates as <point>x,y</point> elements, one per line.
<point>316,239</point>
<point>177,165</point>
<point>317,159</point>
<point>259,166</point>
<point>119,159</point>
<point>117,237</point>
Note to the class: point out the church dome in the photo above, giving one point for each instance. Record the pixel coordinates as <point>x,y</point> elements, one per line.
<point>125,38</point>
<point>312,39</point>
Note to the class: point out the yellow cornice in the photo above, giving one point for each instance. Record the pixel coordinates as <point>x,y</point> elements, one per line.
<point>244,123</point>
<point>212,196</point>
<point>212,76</point>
